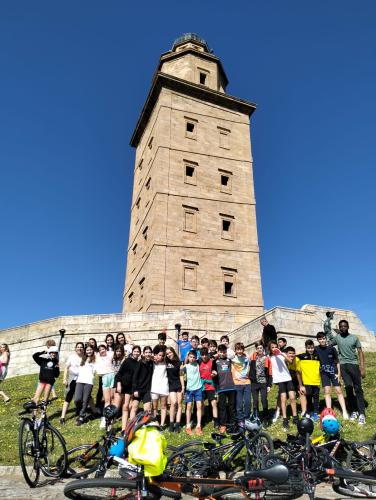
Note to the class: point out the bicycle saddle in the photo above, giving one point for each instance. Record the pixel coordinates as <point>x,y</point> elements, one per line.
<point>277,474</point>
<point>29,406</point>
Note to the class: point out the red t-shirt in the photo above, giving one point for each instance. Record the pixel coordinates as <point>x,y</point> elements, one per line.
<point>205,373</point>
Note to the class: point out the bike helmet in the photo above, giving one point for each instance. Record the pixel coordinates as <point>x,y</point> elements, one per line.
<point>327,411</point>
<point>330,425</point>
<point>141,419</point>
<point>252,424</point>
<point>305,426</point>
<point>110,412</point>
<point>117,449</point>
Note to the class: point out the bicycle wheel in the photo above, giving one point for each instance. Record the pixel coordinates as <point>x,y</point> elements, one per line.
<point>85,459</point>
<point>96,489</point>
<point>259,447</point>
<point>53,453</point>
<point>362,458</point>
<point>188,462</point>
<point>27,453</point>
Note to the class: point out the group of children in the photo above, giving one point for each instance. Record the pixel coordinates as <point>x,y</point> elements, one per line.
<point>231,381</point>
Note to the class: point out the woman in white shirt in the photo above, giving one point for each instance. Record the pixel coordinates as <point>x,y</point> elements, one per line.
<point>71,369</point>
<point>159,383</point>
<point>4,363</point>
<point>84,383</point>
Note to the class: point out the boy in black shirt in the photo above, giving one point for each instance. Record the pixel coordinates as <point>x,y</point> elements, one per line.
<point>329,372</point>
<point>225,389</point>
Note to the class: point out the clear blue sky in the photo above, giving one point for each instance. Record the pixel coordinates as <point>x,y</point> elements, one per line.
<point>74,77</point>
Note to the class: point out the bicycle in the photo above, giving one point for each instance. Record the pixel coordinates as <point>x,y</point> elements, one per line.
<point>253,484</point>
<point>41,447</point>
<point>208,459</point>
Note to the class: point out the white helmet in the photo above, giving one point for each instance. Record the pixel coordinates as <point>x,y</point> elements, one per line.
<point>252,425</point>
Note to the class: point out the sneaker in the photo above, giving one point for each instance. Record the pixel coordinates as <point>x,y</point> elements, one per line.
<point>171,427</point>
<point>276,415</point>
<point>216,423</point>
<point>198,430</point>
<point>345,416</point>
<point>177,427</point>
<point>354,415</point>
<point>286,424</point>
<point>306,415</point>
<point>295,420</point>
<point>102,424</point>
<point>62,421</point>
<point>222,429</point>
<point>188,430</point>
<point>361,419</point>
<point>315,417</point>
<point>80,421</point>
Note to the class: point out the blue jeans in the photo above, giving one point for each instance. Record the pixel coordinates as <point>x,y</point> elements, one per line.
<point>243,401</point>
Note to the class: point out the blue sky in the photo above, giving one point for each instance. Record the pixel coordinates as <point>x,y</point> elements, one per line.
<point>74,77</point>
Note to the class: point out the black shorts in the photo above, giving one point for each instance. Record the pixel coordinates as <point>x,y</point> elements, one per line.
<point>143,397</point>
<point>176,388</point>
<point>311,390</point>
<point>209,395</point>
<point>286,387</point>
<point>126,389</point>
<point>328,379</point>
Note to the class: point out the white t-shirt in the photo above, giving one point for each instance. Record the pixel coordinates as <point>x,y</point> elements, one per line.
<point>159,382</point>
<point>86,373</point>
<point>128,348</point>
<point>280,372</point>
<point>73,364</point>
<point>103,364</point>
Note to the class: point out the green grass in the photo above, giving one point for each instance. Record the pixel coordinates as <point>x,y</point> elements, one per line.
<point>21,389</point>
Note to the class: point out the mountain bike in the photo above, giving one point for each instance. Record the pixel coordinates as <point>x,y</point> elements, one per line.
<point>253,484</point>
<point>41,447</point>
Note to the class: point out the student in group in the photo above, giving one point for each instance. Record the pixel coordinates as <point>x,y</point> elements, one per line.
<point>84,383</point>
<point>292,365</point>
<point>309,390</point>
<point>71,370</point>
<point>282,344</point>
<point>242,382</point>
<point>261,380</point>
<point>209,392</point>
<point>184,346</point>
<point>162,338</point>
<point>142,381</point>
<point>93,343</point>
<point>226,342</point>
<point>193,391</point>
<point>225,389</point>
<point>4,363</point>
<point>282,378</point>
<point>195,346</point>
<point>125,383</point>
<point>175,387</point>
<point>120,339</point>
<point>213,346</point>
<point>48,372</point>
<point>204,342</point>
<point>352,367</point>
<point>329,372</point>
<point>117,360</point>
<point>159,383</point>
<point>105,371</point>
<point>110,342</point>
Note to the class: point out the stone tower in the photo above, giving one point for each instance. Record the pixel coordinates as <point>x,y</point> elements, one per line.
<point>193,236</point>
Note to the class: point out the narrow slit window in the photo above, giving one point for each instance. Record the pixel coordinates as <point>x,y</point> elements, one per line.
<point>229,285</point>
<point>229,282</point>
<point>189,281</point>
<point>130,297</point>
<point>138,202</point>
<point>150,143</point>
<point>145,233</point>
<point>225,181</point>
<point>226,224</point>
<point>203,78</point>
<point>142,283</point>
<point>147,185</point>
<point>190,173</point>
<point>190,127</point>
<point>134,249</point>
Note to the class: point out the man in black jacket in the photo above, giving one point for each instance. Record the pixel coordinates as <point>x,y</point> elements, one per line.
<point>269,333</point>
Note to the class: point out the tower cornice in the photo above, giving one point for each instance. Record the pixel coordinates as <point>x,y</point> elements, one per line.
<point>164,80</point>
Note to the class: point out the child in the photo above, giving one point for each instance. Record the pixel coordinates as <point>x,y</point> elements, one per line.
<point>261,379</point>
<point>282,344</point>
<point>204,343</point>
<point>4,363</point>
<point>48,372</point>
<point>125,384</point>
<point>142,381</point>
<point>162,337</point>
<point>103,367</point>
<point>175,387</point>
<point>209,393</point>
<point>282,378</point>
<point>84,383</point>
<point>117,361</point>
<point>195,346</point>
<point>213,354</point>
<point>184,346</point>
<point>159,382</point>
<point>52,343</point>
<point>329,372</point>
<point>309,385</point>
<point>193,391</point>
<point>226,389</point>
<point>240,375</point>
<point>226,342</point>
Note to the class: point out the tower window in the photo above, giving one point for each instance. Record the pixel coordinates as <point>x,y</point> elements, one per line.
<point>224,138</point>
<point>130,297</point>
<point>138,202</point>
<point>190,219</point>
<point>145,233</point>
<point>134,249</point>
<point>190,128</point>
<point>225,179</point>
<point>227,227</point>
<point>147,185</point>
<point>189,275</point>
<point>229,281</point>
<point>150,143</point>
<point>142,283</point>
<point>190,173</point>
<point>202,78</point>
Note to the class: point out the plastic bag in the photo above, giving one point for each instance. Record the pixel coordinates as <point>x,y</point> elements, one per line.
<point>147,449</point>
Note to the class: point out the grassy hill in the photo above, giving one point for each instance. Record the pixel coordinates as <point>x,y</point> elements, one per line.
<point>21,389</point>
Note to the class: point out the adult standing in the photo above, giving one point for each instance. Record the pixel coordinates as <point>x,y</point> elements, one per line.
<point>71,370</point>
<point>352,368</point>
<point>4,363</point>
<point>269,334</point>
